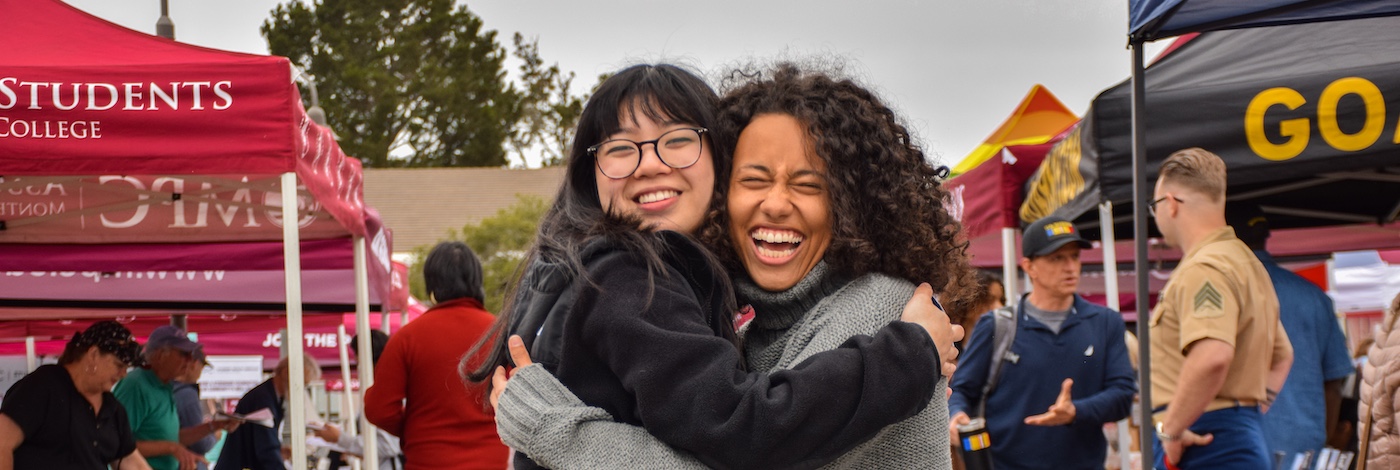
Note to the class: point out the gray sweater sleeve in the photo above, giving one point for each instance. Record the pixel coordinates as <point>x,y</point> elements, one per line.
<point>541,418</point>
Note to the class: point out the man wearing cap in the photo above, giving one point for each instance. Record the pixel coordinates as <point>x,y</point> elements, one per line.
<point>149,399</point>
<point>1305,410</point>
<point>199,433</point>
<point>1219,353</point>
<point>1065,374</point>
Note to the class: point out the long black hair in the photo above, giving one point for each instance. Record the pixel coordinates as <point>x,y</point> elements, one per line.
<point>660,92</point>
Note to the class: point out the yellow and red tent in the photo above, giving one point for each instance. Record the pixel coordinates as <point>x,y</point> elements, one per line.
<point>1040,117</point>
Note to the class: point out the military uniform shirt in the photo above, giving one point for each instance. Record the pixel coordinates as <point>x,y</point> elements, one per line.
<point>1219,291</point>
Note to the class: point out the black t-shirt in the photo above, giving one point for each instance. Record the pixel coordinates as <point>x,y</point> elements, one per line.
<point>61,430</point>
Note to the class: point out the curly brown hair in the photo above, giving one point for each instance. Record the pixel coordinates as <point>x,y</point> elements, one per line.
<point>887,207</point>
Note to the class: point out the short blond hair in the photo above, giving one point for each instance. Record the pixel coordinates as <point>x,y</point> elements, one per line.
<point>310,367</point>
<point>1196,169</point>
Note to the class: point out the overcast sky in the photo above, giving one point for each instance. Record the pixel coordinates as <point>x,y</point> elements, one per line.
<point>954,69</point>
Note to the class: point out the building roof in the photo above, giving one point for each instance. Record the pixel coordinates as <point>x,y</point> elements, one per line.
<point>421,205</point>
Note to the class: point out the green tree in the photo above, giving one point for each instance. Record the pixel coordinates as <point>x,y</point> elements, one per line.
<point>501,242</point>
<point>548,111</point>
<point>420,75</point>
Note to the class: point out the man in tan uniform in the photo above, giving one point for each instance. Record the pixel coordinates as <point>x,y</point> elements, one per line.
<point>1219,352</point>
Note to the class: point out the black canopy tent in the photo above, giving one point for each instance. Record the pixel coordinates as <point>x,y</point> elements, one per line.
<point>1150,20</point>
<point>1307,118</point>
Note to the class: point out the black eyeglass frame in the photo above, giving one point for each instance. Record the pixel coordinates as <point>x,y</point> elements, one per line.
<point>655,145</point>
<point>1152,206</point>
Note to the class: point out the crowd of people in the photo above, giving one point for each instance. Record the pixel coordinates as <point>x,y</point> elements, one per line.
<point>800,196</point>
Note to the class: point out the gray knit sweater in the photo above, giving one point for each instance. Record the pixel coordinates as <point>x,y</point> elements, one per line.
<point>540,417</point>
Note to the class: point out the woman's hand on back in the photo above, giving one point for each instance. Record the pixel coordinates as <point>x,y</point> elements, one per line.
<point>921,311</point>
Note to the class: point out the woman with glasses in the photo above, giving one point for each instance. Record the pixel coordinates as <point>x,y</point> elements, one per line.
<point>637,319</point>
<point>64,416</point>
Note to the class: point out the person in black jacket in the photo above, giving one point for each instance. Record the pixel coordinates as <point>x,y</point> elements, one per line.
<point>640,322</point>
<point>253,446</point>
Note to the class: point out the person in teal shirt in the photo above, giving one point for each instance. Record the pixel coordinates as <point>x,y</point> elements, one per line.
<point>149,400</point>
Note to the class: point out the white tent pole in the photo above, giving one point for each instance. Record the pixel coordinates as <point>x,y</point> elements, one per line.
<point>1008,265</point>
<point>347,400</point>
<point>31,359</point>
<point>384,318</point>
<point>347,394</point>
<point>1110,255</point>
<point>291,252</point>
<point>1110,288</point>
<point>371,437</point>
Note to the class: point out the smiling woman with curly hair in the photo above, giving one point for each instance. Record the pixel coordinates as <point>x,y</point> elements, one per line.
<point>886,201</point>
<point>834,214</point>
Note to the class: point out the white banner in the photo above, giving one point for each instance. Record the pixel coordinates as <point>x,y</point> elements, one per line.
<point>230,376</point>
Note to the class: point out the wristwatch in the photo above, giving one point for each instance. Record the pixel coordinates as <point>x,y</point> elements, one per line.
<point>1163,436</point>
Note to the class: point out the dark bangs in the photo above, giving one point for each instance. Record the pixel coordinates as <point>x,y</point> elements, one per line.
<point>661,92</point>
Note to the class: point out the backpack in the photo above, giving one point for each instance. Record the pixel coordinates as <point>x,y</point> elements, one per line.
<point>1002,336</point>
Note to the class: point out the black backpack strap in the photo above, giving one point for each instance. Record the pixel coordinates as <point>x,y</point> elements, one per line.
<point>1002,336</point>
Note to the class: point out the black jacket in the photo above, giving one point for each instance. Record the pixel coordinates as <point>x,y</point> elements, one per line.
<point>664,358</point>
<point>252,446</point>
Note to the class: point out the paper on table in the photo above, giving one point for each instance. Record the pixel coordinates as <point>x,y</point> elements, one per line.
<point>316,441</point>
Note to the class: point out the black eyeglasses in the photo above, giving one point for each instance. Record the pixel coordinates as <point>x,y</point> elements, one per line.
<point>1152,206</point>
<point>678,148</point>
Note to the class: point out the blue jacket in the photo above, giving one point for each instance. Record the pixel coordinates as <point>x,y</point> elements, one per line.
<point>1088,349</point>
<point>1297,421</point>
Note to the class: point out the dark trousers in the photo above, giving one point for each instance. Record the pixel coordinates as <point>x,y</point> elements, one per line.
<point>1239,442</point>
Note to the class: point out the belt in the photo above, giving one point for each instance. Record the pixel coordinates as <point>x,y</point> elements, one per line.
<point>1217,404</point>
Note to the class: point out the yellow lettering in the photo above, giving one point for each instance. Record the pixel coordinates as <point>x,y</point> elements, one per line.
<point>1296,130</point>
<point>1327,114</point>
<point>1058,182</point>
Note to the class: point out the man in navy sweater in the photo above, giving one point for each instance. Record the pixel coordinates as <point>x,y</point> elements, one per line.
<point>1065,374</point>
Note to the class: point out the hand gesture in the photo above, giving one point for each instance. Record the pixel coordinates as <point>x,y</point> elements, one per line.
<point>188,460</point>
<point>921,311</point>
<point>329,432</point>
<point>225,424</point>
<point>1060,413</point>
<point>1174,449</point>
<point>520,357</point>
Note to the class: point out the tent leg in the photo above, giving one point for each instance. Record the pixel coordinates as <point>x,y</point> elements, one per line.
<point>366,359</point>
<point>31,358</point>
<point>291,252</point>
<point>1140,197</point>
<point>1008,265</point>
<point>1110,255</point>
<point>1110,285</point>
<point>347,398</point>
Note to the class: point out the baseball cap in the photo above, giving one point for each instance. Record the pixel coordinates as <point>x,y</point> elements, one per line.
<point>1249,222</point>
<point>1049,234</point>
<point>173,337</point>
<point>200,356</point>
<point>112,338</point>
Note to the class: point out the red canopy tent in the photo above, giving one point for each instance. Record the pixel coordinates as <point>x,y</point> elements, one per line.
<point>111,136</point>
<point>221,334</point>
